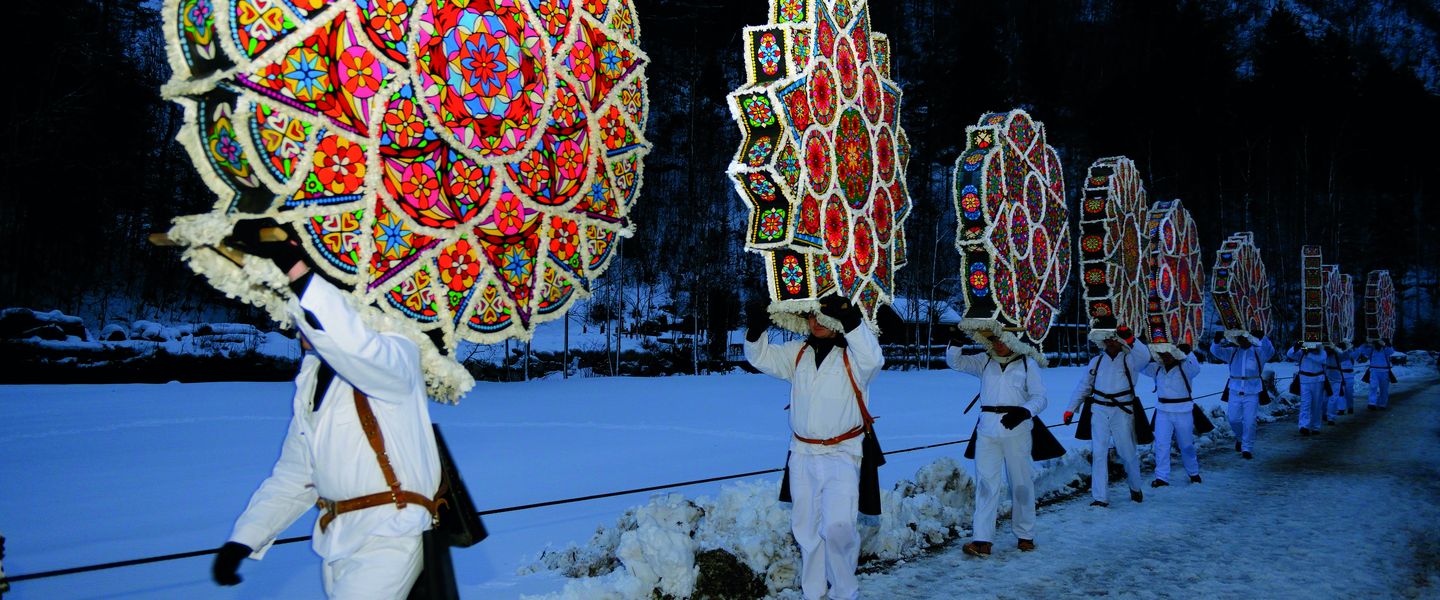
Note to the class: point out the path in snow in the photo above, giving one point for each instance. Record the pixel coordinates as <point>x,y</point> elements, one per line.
<point>1354,511</point>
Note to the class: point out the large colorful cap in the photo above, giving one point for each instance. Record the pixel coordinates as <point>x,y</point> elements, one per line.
<point>1379,306</point>
<point>1012,230</point>
<point>463,169</point>
<point>1114,245</point>
<point>1339,305</point>
<point>1313,300</point>
<point>822,160</point>
<point>1177,278</point>
<point>1240,287</point>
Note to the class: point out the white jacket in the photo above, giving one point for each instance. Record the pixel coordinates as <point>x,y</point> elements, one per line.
<point>1246,365</point>
<point>326,454</point>
<point>1015,384</point>
<point>1107,376</point>
<point>1310,361</point>
<point>1174,383</point>
<point>822,401</point>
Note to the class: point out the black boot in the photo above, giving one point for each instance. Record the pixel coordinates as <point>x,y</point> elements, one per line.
<point>1194,479</point>
<point>1247,455</point>
<point>1159,483</point>
<point>1136,496</point>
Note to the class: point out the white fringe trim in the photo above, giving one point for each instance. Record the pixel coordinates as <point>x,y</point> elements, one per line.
<point>1098,337</point>
<point>974,327</point>
<point>260,283</point>
<point>786,315</point>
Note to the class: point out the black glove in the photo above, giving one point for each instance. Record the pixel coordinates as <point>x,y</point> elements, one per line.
<point>955,336</point>
<point>227,563</point>
<point>245,237</point>
<point>1258,334</point>
<point>1186,348</point>
<point>1219,337</point>
<point>757,320</point>
<point>1013,418</point>
<point>841,310</point>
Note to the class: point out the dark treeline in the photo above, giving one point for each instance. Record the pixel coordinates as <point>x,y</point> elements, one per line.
<point>1259,119</point>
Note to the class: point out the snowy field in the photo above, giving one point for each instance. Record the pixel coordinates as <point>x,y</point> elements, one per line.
<point>104,473</point>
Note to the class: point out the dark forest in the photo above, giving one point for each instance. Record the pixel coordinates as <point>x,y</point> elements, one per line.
<point>1305,126</point>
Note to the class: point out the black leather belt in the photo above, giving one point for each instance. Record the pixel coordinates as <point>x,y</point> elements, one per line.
<point>1173,400</point>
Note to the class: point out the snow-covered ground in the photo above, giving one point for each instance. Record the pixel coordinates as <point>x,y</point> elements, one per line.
<point>102,473</point>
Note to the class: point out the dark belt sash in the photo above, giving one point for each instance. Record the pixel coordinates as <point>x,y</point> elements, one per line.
<point>1309,374</point>
<point>1173,400</point>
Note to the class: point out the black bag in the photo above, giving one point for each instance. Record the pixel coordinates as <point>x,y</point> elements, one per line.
<point>1202,422</point>
<point>1392,377</point>
<point>870,462</point>
<point>1225,395</point>
<point>460,525</point>
<point>1295,385</point>
<point>437,576</point>
<point>1144,433</point>
<point>1043,445</point>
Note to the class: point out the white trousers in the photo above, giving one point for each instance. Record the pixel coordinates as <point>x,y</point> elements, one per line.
<point>1349,393</point>
<point>1241,411</point>
<point>825,489</point>
<point>1106,423</point>
<point>381,568</point>
<point>1009,454</point>
<point>1379,387</point>
<point>1312,405</point>
<point>1180,425</point>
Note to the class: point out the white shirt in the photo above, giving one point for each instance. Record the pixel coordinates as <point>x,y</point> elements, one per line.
<point>1311,361</point>
<point>326,454</point>
<point>1108,375</point>
<point>1015,384</point>
<point>1246,365</point>
<point>822,400</point>
<point>1377,358</point>
<point>1174,383</point>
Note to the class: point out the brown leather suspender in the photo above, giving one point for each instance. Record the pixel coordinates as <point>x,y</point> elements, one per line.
<point>400,498</point>
<point>865,419</point>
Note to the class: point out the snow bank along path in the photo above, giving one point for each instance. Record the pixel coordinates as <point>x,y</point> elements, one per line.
<point>1353,512</point>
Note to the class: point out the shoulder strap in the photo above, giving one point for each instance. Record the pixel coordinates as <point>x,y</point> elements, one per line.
<point>1128,379</point>
<point>859,397</point>
<point>371,426</point>
<point>801,353</point>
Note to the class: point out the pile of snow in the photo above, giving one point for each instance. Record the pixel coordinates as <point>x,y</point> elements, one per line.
<point>652,549</point>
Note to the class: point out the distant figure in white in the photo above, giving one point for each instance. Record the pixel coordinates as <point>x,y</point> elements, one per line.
<point>1174,412</point>
<point>1010,395</point>
<point>1377,356</point>
<point>1335,379</point>
<point>829,375</point>
<point>372,516</point>
<point>1344,399</point>
<point>1246,354</point>
<point>1314,387</point>
<point>1109,409</point>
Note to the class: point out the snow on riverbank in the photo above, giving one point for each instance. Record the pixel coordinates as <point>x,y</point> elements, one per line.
<point>97,473</point>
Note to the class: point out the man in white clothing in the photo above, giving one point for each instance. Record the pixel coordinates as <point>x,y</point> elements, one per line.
<point>1011,394</point>
<point>1246,354</point>
<point>1377,358</point>
<point>1111,410</point>
<point>1346,403</point>
<point>373,514</point>
<point>1313,395</point>
<point>829,375</point>
<point>1335,401</point>
<point>1174,413</point>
